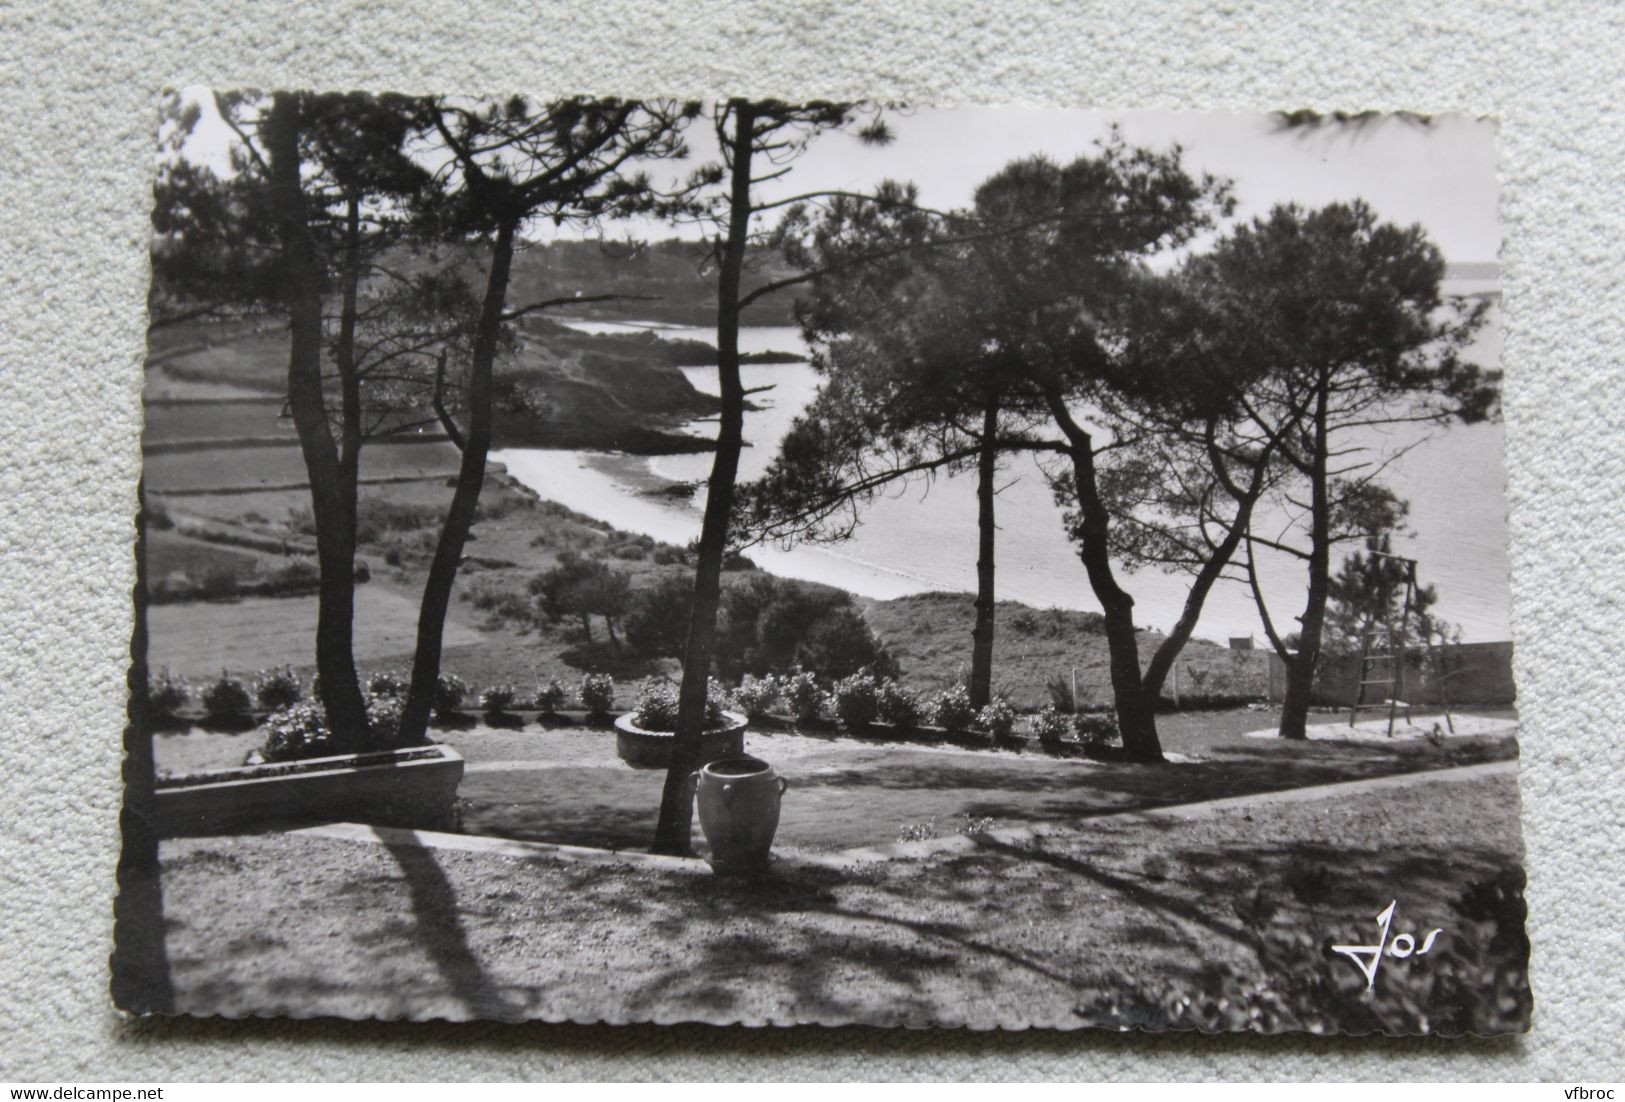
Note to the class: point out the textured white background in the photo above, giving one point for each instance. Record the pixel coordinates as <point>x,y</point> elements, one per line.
<point>75,150</point>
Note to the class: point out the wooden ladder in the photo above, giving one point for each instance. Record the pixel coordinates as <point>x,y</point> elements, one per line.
<point>1382,656</point>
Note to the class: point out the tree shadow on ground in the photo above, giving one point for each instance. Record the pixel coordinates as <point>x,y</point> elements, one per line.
<point>840,964</point>
<point>1240,771</point>
<point>889,950</point>
<point>439,930</point>
<point>579,806</point>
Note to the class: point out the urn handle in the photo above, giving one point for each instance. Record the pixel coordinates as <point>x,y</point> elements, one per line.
<point>783,785</point>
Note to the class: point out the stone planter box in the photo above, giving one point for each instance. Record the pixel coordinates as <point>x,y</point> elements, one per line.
<point>652,749</point>
<point>414,788</point>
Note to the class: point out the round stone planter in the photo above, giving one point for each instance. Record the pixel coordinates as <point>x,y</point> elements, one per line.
<point>643,749</point>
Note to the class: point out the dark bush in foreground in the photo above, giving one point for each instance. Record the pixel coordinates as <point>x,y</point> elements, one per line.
<point>597,693</point>
<point>1098,732</point>
<point>296,732</point>
<point>385,683</point>
<point>1049,727</point>
<point>166,694</point>
<point>997,718</point>
<point>384,721</point>
<point>449,693</point>
<point>951,709</point>
<point>806,698</point>
<point>656,708</point>
<point>857,700</point>
<point>300,731</point>
<point>898,706</point>
<point>551,697</point>
<point>277,689</point>
<point>497,700</point>
<point>227,699</point>
<point>755,696</point>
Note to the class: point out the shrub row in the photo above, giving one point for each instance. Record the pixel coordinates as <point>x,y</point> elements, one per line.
<point>857,701</point>
<point>231,698</point>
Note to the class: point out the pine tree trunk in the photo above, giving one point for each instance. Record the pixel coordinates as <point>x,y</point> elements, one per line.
<point>1162,660</point>
<point>981,659</point>
<point>465,498</point>
<point>1300,672</point>
<point>332,493</point>
<point>676,822</point>
<point>1136,710</point>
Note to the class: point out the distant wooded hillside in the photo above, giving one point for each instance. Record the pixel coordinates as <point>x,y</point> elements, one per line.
<point>673,278</point>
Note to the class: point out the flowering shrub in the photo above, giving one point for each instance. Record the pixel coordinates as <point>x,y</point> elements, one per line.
<point>384,720</point>
<point>1049,726</point>
<point>496,700</point>
<point>227,698</point>
<point>1097,731</point>
<point>449,693</point>
<point>755,696</point>
<point>597,693</point>
<point>657,705</point>
<point>656,709</point>
<point>857,700</point>
<point>551,697</point>
<point>385,683</point>
<point>897,706</point>
<point>297,731</point>
<point>277,689</point>
<point>167,694</point>
<point>997,718</point>
<point>951,708</point>
<point>803,695</point>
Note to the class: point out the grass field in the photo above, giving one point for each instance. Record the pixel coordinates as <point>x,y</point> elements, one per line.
<point>170,553</point>
<point>252,468</point>
<point>198,640</point>
<point>216,421</point>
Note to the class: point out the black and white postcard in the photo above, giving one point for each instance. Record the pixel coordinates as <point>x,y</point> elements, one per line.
<point>760,563</point>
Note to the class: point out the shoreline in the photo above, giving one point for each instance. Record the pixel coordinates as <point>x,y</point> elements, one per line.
<point>620,491</point>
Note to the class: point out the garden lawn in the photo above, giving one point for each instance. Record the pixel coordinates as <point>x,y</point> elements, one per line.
<point>568,786</point>
<point>1113,924</point>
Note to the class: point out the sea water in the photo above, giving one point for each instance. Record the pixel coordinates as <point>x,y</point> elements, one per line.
<point>921,536</point>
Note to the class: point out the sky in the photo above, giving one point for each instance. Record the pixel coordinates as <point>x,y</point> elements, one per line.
<point>1442,175</point>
